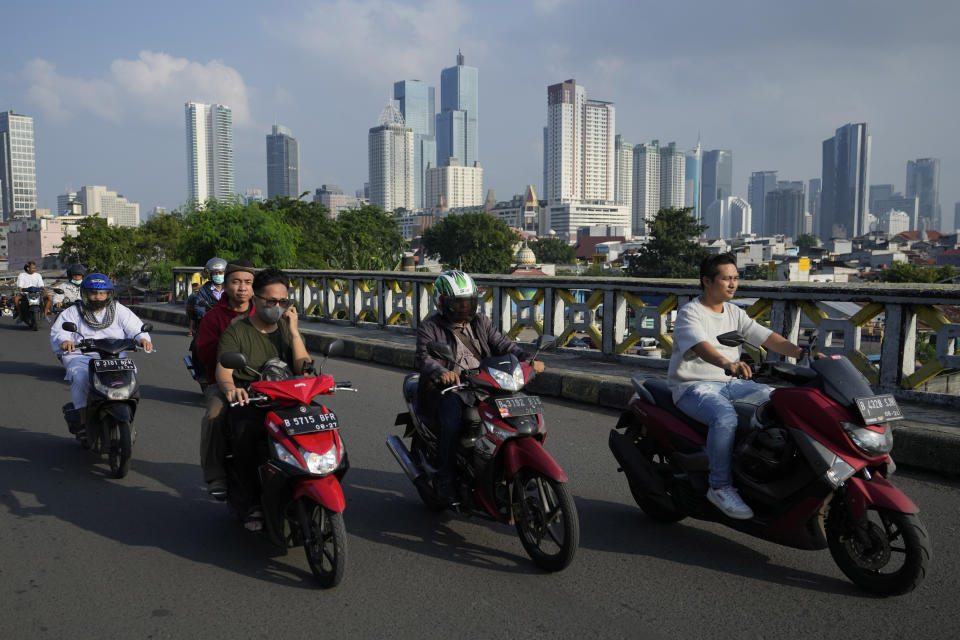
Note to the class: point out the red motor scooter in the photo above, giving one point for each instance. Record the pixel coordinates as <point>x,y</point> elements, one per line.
<point>813,463</point>
<point>503,471</point>
<point>302,461</point>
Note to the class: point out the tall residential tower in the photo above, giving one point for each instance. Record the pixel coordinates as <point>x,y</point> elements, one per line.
<point>18,166</point>
<point>390,156</point>
<point>209,151</point>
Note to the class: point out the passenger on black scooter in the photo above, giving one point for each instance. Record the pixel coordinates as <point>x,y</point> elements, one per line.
<point>706,378</point>
<point>235,302</point>
<point>472,338</point>
<point>271,332</point>
<point>98,315</point>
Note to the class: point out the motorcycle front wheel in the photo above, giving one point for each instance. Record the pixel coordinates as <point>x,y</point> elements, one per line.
<point>885,554</point>
<point>325,542</point>
<point>118,455</point>
<point>35,319</point>
<point>546,519</point>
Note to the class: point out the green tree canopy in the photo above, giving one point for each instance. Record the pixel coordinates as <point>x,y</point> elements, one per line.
<point>318,237</point>
<point>100,247</point>
<point>233,231</point>
<point>553,251</point>
<point>673,251</point>
<point>369,240</point>
<point>908,272</point>
<point>475,242</point>
<point>807,241</point>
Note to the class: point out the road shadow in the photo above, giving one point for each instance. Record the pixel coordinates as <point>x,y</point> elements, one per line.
<point>173,396</point>
<point>63,482</point>
<point>398,518</point>
<point>619,528</point>
<point>38,370</point>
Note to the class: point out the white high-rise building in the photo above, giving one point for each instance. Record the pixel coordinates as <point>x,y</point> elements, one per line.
<point>673,170</point>
<point>209,151</point>
<point>453,186</point>
<point>18,166</point>
<point>727,218</point>
<point>646,185</point>
<point>580,157</point>
<point>623,187</point>
<point>98,200</point>
<point>391,162</point>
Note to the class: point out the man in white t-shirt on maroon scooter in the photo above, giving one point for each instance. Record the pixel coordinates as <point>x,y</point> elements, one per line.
<point>707,377</point>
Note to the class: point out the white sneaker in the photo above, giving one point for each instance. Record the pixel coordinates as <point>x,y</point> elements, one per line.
<point>727,500</point>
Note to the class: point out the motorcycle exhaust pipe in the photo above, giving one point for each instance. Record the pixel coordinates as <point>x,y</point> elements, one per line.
<point>399,451</point>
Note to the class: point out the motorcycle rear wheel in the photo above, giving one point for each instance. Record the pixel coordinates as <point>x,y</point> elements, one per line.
<point>120,449</point>
<point>894,538</point>
<point>546,519</point>
<point>325,542</point>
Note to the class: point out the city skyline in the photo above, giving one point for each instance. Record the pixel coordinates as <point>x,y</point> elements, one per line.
<point>118,100</point>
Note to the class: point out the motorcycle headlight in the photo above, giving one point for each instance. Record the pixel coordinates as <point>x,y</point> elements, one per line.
<point>285,456</point>
<point>839,472</point>
<point>508,381</point>
<point>112,393</point>
<point>322,463</point>
<point>868,441</point>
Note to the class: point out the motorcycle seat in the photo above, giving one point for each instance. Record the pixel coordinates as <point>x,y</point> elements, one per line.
<point>746,409</point>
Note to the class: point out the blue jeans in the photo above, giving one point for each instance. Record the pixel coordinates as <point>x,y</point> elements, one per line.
<point>712,404</point>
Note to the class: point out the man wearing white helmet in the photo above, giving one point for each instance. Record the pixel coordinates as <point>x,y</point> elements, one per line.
<point>472,337</point>
<point>207,297</point>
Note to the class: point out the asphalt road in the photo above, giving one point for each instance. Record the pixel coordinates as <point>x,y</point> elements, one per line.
<point>151,556</point>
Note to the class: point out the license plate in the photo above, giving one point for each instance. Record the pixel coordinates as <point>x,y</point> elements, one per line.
<point>518,406</point>
<point>304,419</point>
<point>114,365</point>
<point>876,409</point>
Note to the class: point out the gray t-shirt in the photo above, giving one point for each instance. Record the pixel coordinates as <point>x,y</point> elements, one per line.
<point>695,324</point>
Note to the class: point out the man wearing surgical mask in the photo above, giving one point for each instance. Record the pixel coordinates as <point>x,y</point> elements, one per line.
<point>270,332</point>
<point>208,295</point>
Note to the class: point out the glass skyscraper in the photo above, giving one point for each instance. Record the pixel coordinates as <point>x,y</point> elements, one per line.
<point>846,176</point>
<point>923,181</point>
<point>716,177</point>
<point>18,167</point>
<point>457,120</point>
<point>283,164</point>
<point>417,102</point>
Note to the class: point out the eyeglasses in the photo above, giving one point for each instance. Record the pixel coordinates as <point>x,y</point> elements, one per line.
<point>272,302</point>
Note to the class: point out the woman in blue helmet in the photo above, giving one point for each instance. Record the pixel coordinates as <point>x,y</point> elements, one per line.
<point>98,315</point>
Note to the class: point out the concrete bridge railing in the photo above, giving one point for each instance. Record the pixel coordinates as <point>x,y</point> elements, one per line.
<point>618,314</point>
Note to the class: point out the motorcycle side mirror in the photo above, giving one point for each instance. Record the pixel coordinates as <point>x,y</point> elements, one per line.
<point>233,360</point>
<point>56,290</point>
<point>146,328</point>
<point>333,349</point>
<point>441,351</point>
<point>731,339</point>
<point>70,326</point>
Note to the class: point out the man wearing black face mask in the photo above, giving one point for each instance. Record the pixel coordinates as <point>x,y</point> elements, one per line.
<point>271,332</point>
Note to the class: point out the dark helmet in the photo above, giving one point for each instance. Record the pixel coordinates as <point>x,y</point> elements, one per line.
<point>455,296</point>
<point>76,269</point>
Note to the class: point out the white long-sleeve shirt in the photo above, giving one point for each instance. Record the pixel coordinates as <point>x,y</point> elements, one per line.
<point>126,324</point>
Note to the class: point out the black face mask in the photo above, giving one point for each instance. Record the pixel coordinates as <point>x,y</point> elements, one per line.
<point>96,305</point>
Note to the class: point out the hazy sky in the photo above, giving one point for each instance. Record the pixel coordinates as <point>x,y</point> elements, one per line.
<point>106,81</point>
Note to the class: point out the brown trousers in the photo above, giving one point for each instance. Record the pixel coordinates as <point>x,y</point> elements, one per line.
<point>212,439</point>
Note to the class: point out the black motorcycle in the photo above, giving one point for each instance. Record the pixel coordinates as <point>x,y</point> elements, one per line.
<point>111,401</point>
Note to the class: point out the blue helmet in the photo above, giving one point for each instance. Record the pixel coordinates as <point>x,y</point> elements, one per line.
<point>97,281</point>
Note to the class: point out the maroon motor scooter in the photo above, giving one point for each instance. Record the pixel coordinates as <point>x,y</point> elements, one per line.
<point>813,462</point>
